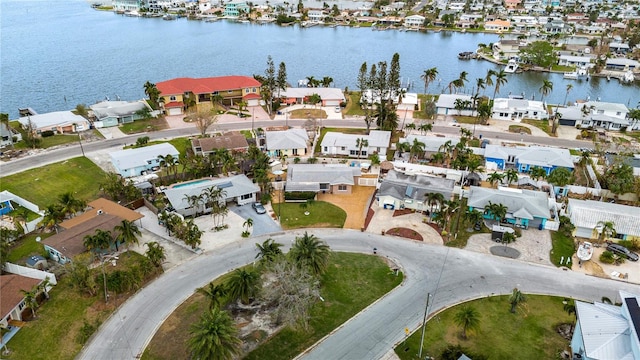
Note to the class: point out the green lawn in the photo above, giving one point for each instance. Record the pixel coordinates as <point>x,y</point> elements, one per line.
<point>141,126</point>
<point>353,105</point>
<point>247,134</point>
<point>540,124</point>
<point>51,141</point>
<point>528,334</point>
<point>467,120</point>
<point>43,185</point>
<point>561,246</point>
<point>519,129</point>
<point>309,113</point>
<point>27,246</point>
<point>321,214</point>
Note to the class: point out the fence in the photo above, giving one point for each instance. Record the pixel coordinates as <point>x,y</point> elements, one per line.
<point>29,272</point>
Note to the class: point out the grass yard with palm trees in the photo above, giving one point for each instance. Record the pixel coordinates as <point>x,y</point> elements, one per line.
<point>321,215</point>
<point>43,185</point>
<point>529,333</point>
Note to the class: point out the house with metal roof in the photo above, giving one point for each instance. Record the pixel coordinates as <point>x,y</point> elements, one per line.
<point>446,104</point>
<point>432,144</point>
<point>622,64</point>
<point>325,178</point>
<point>112,113</point>
<point>583,116</point>
<point>300,95</point>
<point>518,109</point>
<point>238,188</point>
<point>139,161</point>
<point>403,191</point>
<point>290,142</point>
<point>335,143</point>
<point>58,121</point>
<point>234,141</point>
<point>605,331</point>
<point>525,158</point>
<point>586,215</point>
<point>525,208</point>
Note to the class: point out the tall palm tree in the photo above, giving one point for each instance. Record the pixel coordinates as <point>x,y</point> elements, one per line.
<point>463,78</point>
<point>424,127</point>
<point>128,233</point>
<point>495,178</point>
<point>501,79</point>
<point>416,149</point>
<point>100,240</point>
<point>53,215</point>
<point>605,229</point>
<point>488,79</point>
<point>473,216</point>
<point>269,251</point>
<point>428,76</point>
<point>243,285</point>
<point>545,89</point>
<point>570,308</point>
<point>566,95</point>
<point>360,143</point>
<point>215,293</point>
<point>69,204</point>
<point>31,300</point>
<point>214,337</point>
<point>511,176</point>
<point>497,211</point>
<point>437,158</point>
<point>516,298</point>
<point>327,81</point>
<point>155,253</point>
<point>480,84</point>
<point>310,252</point>
<point>433,199</point>
<point>467,318</point>
<point>537,172</point>
<point>168,161</point>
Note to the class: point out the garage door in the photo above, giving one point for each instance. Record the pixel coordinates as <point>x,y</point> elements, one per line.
<point>332,103</point>
<point>567,122</point>
<point>584,232</point>
<point>175,111</point>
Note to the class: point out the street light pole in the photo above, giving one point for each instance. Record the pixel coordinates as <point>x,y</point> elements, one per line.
<point>424,325</point>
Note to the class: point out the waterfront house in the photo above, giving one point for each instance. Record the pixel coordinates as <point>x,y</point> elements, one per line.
<point>12,302</point>
<point>8,135</point>
<point>414,21</point>
<point>316,16</point>
<point>328,96</point>
<point>497,25</point>
<point>234,9</point>
<point>59,122</point>
<point>525,208</point>
<point>446,104</point>
<point>622,64</point>
<point>139,161</point>
<point>524,158</point>
<point>606,331</point>
<point>619,48</point>
<point>291,142</point>
<point>506,49</point>
<point>403,191</point>
<point>575,61</point>
<point>335,143</point>
<point>238,188</point>
<point>180,93</point>
<point>234,142</point>
<point>608,116</point>
<point>127,5</point>
<point>325,178</point>
<point>586,215</point>
<point>518,109</point>
<point>432,144</point>
<point>112,113</point>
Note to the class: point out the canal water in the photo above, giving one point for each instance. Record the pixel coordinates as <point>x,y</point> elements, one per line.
<point>56,54</point>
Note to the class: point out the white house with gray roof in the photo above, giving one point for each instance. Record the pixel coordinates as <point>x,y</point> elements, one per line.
<point>402,191</point>
<point>446,104</point>
<point>525,208</point>
<point>300,95</point>
<point>335,143</point>
<point>596,114</point>
<point>325,178</point>
<point>291,142</point>
<point>112,113</point>
<point>57,121</point>
<point>518,109</point>
<point>606,331</point>
<point>586,214</point>
<point>139,161</point>
<point>432,144</point>
<point>239,189</point>
<point>524,158</point>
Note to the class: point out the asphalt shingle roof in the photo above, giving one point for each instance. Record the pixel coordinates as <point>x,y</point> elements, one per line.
<point>287,139</point>
<point>518,201</point>
<point>131,158</point>
<point>334,174</point>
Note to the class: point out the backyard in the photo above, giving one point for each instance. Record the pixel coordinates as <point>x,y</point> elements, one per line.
<point>530,332</point>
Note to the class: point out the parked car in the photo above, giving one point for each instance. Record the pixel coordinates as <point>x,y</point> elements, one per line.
<point>622,251</point>
<point>258,208</point>
<point>337,109</point>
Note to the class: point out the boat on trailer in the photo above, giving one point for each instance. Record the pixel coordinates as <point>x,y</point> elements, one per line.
<point>585,251</point>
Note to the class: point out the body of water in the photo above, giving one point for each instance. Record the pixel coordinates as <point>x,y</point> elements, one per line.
<point>57,54</point>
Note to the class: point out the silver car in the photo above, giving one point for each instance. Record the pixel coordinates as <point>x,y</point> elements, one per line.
<point>258,208</point>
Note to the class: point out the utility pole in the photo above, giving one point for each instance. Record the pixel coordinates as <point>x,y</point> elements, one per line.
<point>424,325</point>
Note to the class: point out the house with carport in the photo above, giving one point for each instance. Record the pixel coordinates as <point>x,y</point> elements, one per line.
<point>525,158</point>
<point>233,141</point>
<point>408,191</point>
<point>588,215</point>
<point>290,142</point>
<point>324,178</point>
<point>113,113</point>
<point>60,122</point>
<point>525,208</point>
<point>334,143</point>
<point>301,95</point>
<point>140,161</point>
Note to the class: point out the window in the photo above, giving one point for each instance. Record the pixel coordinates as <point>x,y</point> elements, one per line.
<point>343,148</point>
<point>246,196</point>
<point>294,151</point>
<point>342,187</point>
<point>214,93</point>
<point>326,149</point>
<point>172,98</point>
<point>353,152</point>
<point>253,90</point>
<point>618,113</point>
<point>229,91</point>
<point>535,113</point>
<point>363,153</point>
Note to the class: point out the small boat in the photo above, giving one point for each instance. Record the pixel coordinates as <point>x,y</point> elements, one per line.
<point>585,251</point>
<point>577,74</point>
<point>571,75</point>
<point>628,77</point>
<point>168,17</point>
<point>512,66</point>
<point>466,55</point>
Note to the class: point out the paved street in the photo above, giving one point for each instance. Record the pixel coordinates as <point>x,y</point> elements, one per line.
<point>452,275</point>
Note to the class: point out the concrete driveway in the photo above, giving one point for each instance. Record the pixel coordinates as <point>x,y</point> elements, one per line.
<point>262,223</point>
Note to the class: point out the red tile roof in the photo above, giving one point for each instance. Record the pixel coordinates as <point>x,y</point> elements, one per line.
<point>10,294</point>
<point>205,85</point>
<point>174,104</point>
<point>251,96</point>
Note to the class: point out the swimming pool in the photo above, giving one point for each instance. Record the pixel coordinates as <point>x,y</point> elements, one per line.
<point>190,183</point>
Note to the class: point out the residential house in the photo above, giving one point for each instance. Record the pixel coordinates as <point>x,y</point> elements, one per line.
<point>471,17</point>
<point>524,158</point>
<point>238,188</point>
<point>619,48</point>
<point>512,4</point>
<point>335,143</point>
<point>139,161</point>
<point>7,201</point>
<point>446,104</point>
<point>524,23</point>
<point>59,122</point>
<point>432,144</point>
<point>555,26</point>
<point>525,208</point>
<point>112,113</point>
<point>180,93</point>
<point>606,331</point>
<point>609,116</point>
<point>236,8</point>
<point>506,49</point>
<point>291,142</point>
<point>328,96</point>
<point>12,303</point>
<point>99,207</point>
<point>316,16</point>
<point>497,25</point>
<point>325,178</point>
<point>633,161</point>
<point>518,109</point>
<point>414,21</point>
<point>586,215</point>
<point>127,5</point>
<point>622,64</point>
<point>402,191</point>
<point>8,135</point>
<point>575,61</point>
<point>235,142</point>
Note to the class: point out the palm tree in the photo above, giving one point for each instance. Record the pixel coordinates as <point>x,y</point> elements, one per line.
<point>545,89</point>
<point>101,240</point>
<point>31,300</point>
<point>128,233</point>
<point>480,84</point>
<point>310,252</point>
<point>516,298</point>
<point>495,178</point>
<point>473,216</point>
<point>53,215</point>
<point>605,229</point>
<point>467,318</point>
<point>214,337</point>
<point>247,224</point>
<point>410,126</point>
<point>327,81</point>
<point>501,79</point>
<point>69,204</point>
<point>537,172</point>
<point>243,285</point>
<point>429,76</point>
<point>416,149</point>
<point>488,79</point>
<point>570,308</point>
<point>360,143</point>
<point>463,78</point>
<point>424,127</point>
<point>167,161</point>
<point>437,158</point>
<point>566,95</point>
<point>4,120</point>
<point>497,211</point>
<point>215,294</point>
<point>269,251</point>
<point>433,199</point>
<point>585,157</point>
<point>155,253</point>
<point>511,176</point>
<point>152,92</point>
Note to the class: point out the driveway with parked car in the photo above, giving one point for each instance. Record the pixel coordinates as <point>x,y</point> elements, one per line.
<point>262,223</point>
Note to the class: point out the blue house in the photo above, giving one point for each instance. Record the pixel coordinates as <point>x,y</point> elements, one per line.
<point>525,158</point>
<point>139,161</point>
<point>235,8</point>
<point>5,207</point>
<point>525,208</point>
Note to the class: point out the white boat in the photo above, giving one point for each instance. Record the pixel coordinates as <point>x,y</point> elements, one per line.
<point>577,74</point>
<point>628,77</point>
<point>571,75</point>
<point>585,251</point>
<point>512,66</point>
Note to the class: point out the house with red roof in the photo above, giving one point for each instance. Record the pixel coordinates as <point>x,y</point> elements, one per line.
<point>12,302</point>
<point>200,93</point>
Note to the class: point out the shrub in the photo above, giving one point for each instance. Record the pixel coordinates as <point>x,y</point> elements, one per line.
<point>300,195</point>
<point>47,133</point>
<point>632,245</point>
<point>245,234</point>
<point>607,257</point>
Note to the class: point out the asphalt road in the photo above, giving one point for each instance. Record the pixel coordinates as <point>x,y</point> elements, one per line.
<point>74,150</point>
<point>451,275</point>
<point>262,223</point>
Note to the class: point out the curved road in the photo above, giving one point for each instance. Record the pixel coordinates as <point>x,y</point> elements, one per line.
<point>451,275</point>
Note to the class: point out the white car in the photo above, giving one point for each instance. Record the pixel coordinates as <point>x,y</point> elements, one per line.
<point>338,109</point>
